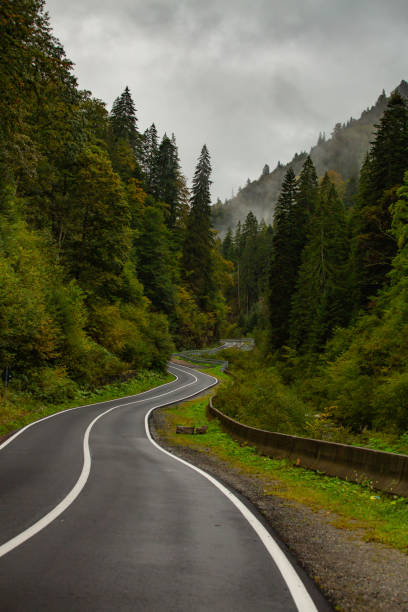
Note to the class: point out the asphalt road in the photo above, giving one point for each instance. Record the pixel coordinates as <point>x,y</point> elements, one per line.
<point>95,517</point>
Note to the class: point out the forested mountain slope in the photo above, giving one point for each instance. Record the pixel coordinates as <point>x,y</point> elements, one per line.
<point>343,153</point>
<point>95,220</point>
<point>329,301</point>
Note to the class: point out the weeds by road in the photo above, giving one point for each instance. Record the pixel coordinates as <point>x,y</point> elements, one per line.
<point>22,409</point>
<point>378,517</point>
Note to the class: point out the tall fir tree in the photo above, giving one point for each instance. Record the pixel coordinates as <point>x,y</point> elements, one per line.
<point>197,264</point>
<point>123,119</point>
<point>248,262</point>
<point>284,265</point>
<point>303,207</point>
<point>154,262</point>
<point>380,177</point>
<point>169,184</point>
<point>149,161</point>
<point>228,246</point>
<point>322,298</point>
<point>125,139</point>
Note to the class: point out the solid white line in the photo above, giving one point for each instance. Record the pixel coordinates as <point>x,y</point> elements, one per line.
<point>63,505</point>
<point>51,416</point>
<point>301,597</point>
<point>86,467</point>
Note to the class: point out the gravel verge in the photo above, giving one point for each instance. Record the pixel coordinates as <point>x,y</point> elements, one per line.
<point>354,575</point>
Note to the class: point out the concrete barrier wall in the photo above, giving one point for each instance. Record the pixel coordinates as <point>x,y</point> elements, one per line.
<point>387,471</point>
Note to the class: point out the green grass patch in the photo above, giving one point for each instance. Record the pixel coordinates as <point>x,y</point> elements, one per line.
<point>22,409</point>
<point>218,373</point>
<point>379,517</point>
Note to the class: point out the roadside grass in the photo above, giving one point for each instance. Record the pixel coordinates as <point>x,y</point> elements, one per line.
<point>22,409</point>
<point>376,516</point>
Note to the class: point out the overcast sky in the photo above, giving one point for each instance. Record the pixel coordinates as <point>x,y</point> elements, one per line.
<point>256,80</point>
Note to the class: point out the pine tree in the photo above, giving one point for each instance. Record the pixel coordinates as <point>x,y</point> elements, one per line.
<point>149,162</point>
<point>123,119</point>
<point>389,153</point>
<point>154,261</point>
<point>322,298</point>
<point>228,246</point>
<point>197,261</point>
<point>125,139</point>
<point>169,184</point>
<point>248,262</point>
<point>283,268</point>
<point>305,202</point>
<point>381,175</point>
<point>238,240</point>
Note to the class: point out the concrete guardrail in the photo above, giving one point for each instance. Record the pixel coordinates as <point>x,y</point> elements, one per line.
<point>386,471</point>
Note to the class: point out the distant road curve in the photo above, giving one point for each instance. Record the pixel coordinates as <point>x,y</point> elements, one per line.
<point>95,516</point>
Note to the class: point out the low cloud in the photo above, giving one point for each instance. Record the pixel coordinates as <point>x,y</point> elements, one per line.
<point>255,80</point>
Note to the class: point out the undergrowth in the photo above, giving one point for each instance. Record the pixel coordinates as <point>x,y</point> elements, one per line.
<point>274,395</point>
<point>378,516</point>
<point>22,409</point>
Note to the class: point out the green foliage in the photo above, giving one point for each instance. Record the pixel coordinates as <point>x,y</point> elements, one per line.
<point>381,176</point>
<point>98,244</point>
<point>54,392</point>
<point>123,130</point>
<point>380,518</point>
<point>321,301</point>
<point>92,222</point>
<point>197,262</point>
<point>258,398</point>
<point>154,261</point>
<point>166,182</point>
<point>293,220</point>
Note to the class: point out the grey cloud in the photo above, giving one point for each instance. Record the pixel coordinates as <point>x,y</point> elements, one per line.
<point>256,80</point>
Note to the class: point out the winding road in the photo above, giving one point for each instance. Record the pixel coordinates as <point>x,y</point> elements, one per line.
<point>95,516</point>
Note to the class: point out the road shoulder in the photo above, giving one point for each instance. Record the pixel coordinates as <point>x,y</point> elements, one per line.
<point>353,574</point>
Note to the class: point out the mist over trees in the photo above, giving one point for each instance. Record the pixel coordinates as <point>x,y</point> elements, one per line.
<point>343,152</point>
<point>108,261</point>
<point>334,332</point>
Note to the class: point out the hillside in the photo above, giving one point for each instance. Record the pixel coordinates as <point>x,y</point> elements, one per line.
<point>343,152</point>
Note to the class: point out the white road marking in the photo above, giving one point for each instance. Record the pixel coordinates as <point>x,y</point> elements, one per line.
<point>86,468</point>
<point>301,597</point>
<point>51,416</point>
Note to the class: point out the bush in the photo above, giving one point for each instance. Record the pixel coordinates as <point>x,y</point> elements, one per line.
<point>258,398</point>
<point>390,403</point>
<point>52,385</point>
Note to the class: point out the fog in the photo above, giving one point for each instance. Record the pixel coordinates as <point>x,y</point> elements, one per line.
<point>256,81</point>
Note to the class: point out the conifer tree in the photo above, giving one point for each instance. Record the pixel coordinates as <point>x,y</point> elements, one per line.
<point>305,202</point>
<point>238,241</point>
<point>284,265</point>
<point>125,139</point>
<point>149,162</point>
<point>197,261</point>
<point>169,185</point>
<point>322,299</point>
<point>248,262</point>
<point>123,119</point>
<point>154,262</point>
<point>228,246</point>
<point>381,175</point>
<point>264,257</point>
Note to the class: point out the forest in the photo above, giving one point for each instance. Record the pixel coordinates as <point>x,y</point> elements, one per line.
<point>342,151</point>
<point>108,262</point>
<point>331,314</point>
